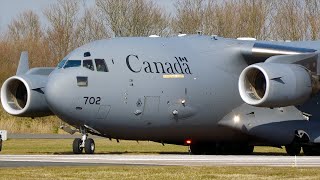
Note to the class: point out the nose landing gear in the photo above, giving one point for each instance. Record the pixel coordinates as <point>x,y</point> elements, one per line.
<point>84,143</point>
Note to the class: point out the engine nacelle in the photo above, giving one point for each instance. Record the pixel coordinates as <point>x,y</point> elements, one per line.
<point>23,96</point>
<point>275,85</point>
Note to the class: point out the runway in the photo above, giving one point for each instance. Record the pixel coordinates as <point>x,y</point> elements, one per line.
<point>156,160</point>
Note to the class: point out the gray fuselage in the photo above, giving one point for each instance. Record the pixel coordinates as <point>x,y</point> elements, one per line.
<point>168,90</point>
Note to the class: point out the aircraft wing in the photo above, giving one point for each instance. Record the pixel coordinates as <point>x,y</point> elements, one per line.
<point>279,75</point>
<point>285,54</point>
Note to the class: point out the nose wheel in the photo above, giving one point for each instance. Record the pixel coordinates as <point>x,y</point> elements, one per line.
<point>89,146</point>
<point>83,143</point>
<point>77,146</point>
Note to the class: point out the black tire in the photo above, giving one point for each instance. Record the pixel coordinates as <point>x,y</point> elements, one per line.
<point>203,149</point>
<point>293,149</point>
<point>89,146</point>
<point>311,150</point>
<point>307,150</point>
<point>77,149</point>
<point>235,149</point>
<point>211,149</point>
<point>196,149</point>
<point>249,150</point>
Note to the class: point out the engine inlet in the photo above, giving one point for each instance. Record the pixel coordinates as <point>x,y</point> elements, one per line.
<point>255,84</point>
<point>14,95</point>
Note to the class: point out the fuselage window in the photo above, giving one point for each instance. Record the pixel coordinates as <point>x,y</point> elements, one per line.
<point>61,63</point>
<point>88,64</point>
<point>101,65</point>
<point>72,63</point>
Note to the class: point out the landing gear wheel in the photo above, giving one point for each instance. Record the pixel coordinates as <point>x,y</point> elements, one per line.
<point>311,151</point>
<point>293,149</point>
<point>249,150</point>
<point>77,149</point>
<point>235,149</point>
<point>89,146</point>
<point>240,149</point>
<point>203,149</point>
<point>196,149</point>
<point>307,150</point>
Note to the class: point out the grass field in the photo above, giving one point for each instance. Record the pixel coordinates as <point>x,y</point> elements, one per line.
<point>104,146</point>
<point>160,172</point>
<point>44,125</point>
<point>64,146</point>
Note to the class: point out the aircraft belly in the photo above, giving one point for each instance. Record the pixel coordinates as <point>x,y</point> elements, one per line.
<point>175,133</point>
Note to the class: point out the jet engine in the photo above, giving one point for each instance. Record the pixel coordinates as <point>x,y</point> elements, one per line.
<point>23,96</point>
<point>275,85</point>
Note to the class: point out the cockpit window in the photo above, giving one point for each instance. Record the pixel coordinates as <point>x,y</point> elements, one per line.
<point>88,64</point>
<point>101,65</point>
<point>61,63</point>
<point>72,63</point>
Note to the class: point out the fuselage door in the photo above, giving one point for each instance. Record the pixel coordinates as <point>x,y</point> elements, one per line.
<point>151,109</point>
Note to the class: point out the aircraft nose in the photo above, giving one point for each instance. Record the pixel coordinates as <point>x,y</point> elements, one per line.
<point>57,92</point>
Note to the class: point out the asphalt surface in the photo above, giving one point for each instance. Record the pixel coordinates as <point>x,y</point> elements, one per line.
<point>156,160</point>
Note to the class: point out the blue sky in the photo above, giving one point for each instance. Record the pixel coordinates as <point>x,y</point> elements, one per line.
<point>11,8</point>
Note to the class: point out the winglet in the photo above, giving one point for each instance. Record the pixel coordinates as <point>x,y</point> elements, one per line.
<point>23,66</point>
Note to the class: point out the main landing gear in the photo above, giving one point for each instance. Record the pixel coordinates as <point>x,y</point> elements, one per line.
<point>293,149</point>
<point>221,148</point>
<point>301,138</point>
<point>311,150</point>
<point>83,143</point>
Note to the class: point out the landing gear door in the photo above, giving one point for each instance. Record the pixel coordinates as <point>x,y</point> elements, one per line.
<point>103,112</point>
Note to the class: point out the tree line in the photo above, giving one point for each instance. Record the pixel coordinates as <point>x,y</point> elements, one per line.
<point>70,25</point>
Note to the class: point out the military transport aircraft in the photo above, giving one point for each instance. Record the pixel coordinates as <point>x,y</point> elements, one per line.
<point>216,95</point>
